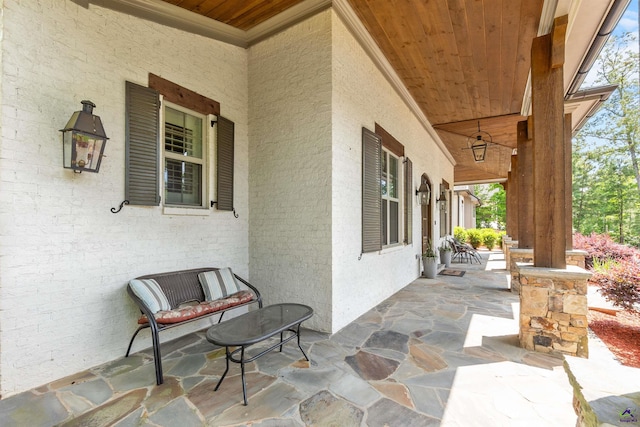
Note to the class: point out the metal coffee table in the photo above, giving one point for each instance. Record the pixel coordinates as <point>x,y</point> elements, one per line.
<point>254,327</point>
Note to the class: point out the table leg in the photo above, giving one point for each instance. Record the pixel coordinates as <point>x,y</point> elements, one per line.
<point>299,346</point>
<point>244,387</point>
<point>225,371</point>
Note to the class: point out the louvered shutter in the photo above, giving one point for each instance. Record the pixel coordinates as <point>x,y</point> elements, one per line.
<point>408,201</point>
<point>225,157</point>
<point>371,192</point>
<point>142,145</point>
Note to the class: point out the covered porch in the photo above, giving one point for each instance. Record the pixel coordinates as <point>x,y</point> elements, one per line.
<point>300,85</point>
<point>438,352</point>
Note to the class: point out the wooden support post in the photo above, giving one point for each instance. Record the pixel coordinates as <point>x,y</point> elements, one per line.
<point>548,152</point>
<point>515,198</point>
<point>507,189</point>
<point>525,187</point>
<point>568,183</point>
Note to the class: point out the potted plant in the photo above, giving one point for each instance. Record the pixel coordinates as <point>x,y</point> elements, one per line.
<point>430,262</point>
<point>445,253</point>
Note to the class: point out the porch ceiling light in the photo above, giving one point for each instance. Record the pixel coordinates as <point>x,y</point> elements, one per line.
<point>423,193</point>
<point>83,140</point>
<point>478,143</point>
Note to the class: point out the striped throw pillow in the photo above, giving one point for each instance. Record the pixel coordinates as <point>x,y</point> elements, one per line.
<point>150,293</point>
<point>218,284</point>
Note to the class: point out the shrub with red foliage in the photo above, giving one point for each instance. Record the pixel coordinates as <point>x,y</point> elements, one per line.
<point>603,248</point>
<point>620,283</point>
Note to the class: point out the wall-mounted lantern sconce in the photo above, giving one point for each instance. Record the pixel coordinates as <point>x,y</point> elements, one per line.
<point>424,194</point>
<point>83,140</point>
<point>443,199</point>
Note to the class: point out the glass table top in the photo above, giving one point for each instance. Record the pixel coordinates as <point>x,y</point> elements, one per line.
<point>258,325</point>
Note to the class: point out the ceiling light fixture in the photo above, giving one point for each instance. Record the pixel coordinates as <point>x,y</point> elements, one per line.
<point>478,143</point>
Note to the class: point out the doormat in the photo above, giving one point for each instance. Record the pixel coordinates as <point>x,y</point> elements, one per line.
<point>457,273</point>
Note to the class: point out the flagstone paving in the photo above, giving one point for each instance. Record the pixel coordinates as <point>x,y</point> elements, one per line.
<point>439,352</point>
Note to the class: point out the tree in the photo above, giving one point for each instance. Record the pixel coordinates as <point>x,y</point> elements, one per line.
<point>616,125</point>
<point>492,212</point>
<point>606,175</point>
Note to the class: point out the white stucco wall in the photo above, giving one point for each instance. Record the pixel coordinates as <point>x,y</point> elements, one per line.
<point>64,257</point>
<point>362,96</point>
<point>290,162</point>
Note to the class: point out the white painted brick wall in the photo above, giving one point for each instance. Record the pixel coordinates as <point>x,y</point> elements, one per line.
<point>290,163</point>
<point>311,89</point>
<point>64,257</point>
<point>362,96</point>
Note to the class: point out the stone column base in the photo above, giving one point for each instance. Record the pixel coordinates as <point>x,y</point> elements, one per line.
<point>525,256</point>
<point>553,309</point>
<point>507,246</point>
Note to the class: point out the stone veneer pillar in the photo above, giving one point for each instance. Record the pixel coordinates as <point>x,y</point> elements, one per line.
<point>553,309</point>
<point>525,256</point>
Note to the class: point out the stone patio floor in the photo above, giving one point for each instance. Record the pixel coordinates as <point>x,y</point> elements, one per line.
<point>439,352</point>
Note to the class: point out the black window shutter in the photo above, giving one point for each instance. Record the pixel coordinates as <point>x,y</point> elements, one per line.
<point>225,157</point>
<point>371,192</point>
<point>408,201</point>
<point>142,145</point>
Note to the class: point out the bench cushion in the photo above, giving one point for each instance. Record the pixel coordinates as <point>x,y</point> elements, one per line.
<point>150,293</point>
<point>191,312</point>
<point>218,284</point>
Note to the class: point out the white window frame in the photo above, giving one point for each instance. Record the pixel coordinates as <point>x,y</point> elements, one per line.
<point>386,201</point>
<point>205,162</point>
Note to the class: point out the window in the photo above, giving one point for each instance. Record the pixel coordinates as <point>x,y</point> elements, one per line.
<point>390,194</point>
<point>383,214</point>
<point>167,147</point>
<point>185,153</point>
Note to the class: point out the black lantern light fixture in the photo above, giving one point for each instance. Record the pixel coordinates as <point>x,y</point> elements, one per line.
<point>478,143</point>
<point>83,140</point>
<point>443,199</point>
<point>423,193</point>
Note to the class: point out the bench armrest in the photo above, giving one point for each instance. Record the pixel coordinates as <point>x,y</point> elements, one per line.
<point>253,288</point>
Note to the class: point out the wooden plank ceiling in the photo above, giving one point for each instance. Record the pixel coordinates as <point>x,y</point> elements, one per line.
<point>242,14</point>
<point>465,62</point>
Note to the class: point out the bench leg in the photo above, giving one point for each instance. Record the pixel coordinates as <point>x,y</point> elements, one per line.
<point>156,354</point>
<point>155,339</point>
<point>281,338</point>
<point>133,338</point>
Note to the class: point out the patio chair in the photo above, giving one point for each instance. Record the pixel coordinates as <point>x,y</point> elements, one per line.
<point>459,252</point>
<point>464,251</point>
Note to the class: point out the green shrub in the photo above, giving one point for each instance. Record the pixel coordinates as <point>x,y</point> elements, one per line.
<point>475,237</point>
<point>501,234</point>
<point>489,237</point>
<point>460,233</point>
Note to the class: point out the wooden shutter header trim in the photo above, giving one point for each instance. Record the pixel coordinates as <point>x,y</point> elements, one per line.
<point>389,142</point>
<point>184,97</point>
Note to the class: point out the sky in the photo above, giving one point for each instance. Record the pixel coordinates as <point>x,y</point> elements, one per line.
<point>628,23</point>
